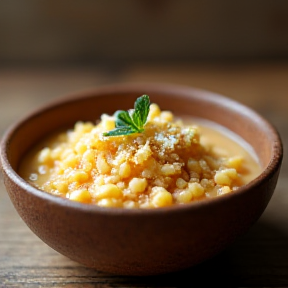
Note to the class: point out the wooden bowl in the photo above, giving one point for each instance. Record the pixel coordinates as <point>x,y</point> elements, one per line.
<point>141,241</point>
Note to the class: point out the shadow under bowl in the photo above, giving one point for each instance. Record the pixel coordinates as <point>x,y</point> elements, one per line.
<point>141,241</point>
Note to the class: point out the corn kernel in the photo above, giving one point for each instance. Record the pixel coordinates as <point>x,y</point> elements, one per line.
<point>114,179</point>
<point>78,176</point>
<point>102,165</point>
<point>56,153</point>
<point>99,180</point>
<point>166,116</point>
<point>224,190</point>
<point>137,185</point>
<point>159,182</point>
<point>81,127</point>
<point>45,156</point>
<point>181,183</point>
<point>207,183</point>
<point>66,153</point>
<point>225,177</point>
<point>125,170</point>
<point>108,191</point>
<point>168,169</point>
<point>80,147</point>
<point>81,195</point>
<point>204,165</point>
<point>71,161</point>
<point>235,162</point>
<point>213,163</point>
<point>130,204</point>
<point>109,202</point>
<point>147,173</point>
<point>61,186</point>
<point>143,154</point>
<point>184,196</point>
<point>154,111</point>
<point>196,189</point>
<point>108,122</point>
<point>161,197</point>
<point>89,155</point>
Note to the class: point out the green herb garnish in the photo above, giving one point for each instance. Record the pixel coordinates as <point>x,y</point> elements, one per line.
<point>133,120</point>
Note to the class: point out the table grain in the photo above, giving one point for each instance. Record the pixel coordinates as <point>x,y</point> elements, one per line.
<point>257,259</point>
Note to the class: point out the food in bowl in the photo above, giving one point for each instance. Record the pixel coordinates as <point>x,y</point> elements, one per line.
<point>141,158</point>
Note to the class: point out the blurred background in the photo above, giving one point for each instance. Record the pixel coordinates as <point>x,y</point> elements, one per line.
<point>66,32</point>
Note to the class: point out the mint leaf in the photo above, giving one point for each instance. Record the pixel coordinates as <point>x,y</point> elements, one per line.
<point>132,121</point>
<point>141,110</point>
<point>125,130</point>
<point>123,118</point>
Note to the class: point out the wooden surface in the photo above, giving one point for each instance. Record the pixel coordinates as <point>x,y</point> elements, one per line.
<point>258,258</point>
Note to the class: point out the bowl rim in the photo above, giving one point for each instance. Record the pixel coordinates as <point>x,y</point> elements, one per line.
<point>165,88</point>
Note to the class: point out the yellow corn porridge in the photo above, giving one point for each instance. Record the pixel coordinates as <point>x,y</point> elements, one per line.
<point>170,162</point>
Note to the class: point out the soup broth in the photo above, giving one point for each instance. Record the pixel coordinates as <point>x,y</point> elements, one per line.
<point>225,143</point>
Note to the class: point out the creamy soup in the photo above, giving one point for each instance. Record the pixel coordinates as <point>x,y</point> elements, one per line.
<point>171,162</point>
<point>229,145</point>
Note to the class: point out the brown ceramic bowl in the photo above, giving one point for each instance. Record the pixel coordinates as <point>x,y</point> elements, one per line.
<point>139,241</point>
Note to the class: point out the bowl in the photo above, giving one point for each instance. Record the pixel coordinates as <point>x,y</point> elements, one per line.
<point>141,241</point>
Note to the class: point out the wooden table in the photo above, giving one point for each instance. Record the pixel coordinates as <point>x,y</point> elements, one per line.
<point>258,258</point>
